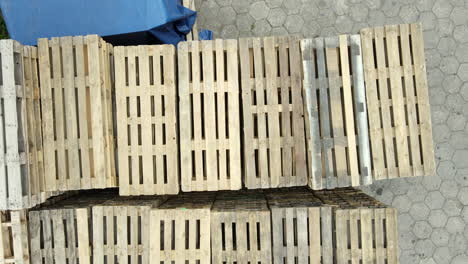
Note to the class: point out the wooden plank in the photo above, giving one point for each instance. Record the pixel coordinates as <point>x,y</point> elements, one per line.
<point>122,233</point>
<point>19,235</point>
<point>58,236</point>
<point>47,236</point>
<point>84,253</point>
<point>34,237</point>
<point>341,218</point>
<point>315,250</point>
<point>380,256</point>
<point>97,234</point>
<point>312,114</point>
<point>392,235</point>
<point>356,252</point>
<point>423,99</point>
<point>327,235</point>
<point>367,236</point>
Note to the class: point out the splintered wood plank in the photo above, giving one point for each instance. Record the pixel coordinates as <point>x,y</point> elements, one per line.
<point>209,115</point>
<point>312,114</point>
<point>423,106</point>
<point>146,110</point>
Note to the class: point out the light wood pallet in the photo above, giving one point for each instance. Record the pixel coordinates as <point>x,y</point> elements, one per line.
<point>14,237</point>
<point>21,156</point>
<point>76,102</point>
<point>301,226</point>
<point>209,115</point>
<point>274,145</point>
<point>192,35</point>
<point>146,100</point>
<point>398,102</point>
<point>60,236</point>
<point>240,229</point>
<point>180,230</point>
<point>365,235</point>
<point>336,114</point>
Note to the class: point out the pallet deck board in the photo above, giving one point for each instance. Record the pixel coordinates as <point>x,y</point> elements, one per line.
<point>399,113</point>
<point>274,150</point>
<point>209,115</point>
<point>146,106</point>
<point>336,116</point>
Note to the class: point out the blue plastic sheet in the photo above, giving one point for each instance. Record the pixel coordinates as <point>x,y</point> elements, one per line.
<point>123,21</point>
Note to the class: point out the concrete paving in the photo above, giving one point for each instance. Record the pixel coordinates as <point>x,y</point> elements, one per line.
<point>433,211</point>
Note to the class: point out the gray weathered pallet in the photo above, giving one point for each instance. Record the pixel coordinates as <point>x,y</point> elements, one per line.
<point>274,145</point>
<point>398,101</point>
<point>21,155</point>
<point>336,114</point>
<point>209,115</point>
<point>146,100</point>
<point>60,236</point>
<point>14,247</point>
<point>76,100</point>
<point>240,229</point>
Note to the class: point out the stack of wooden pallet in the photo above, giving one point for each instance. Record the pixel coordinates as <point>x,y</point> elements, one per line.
<point>78,115</point>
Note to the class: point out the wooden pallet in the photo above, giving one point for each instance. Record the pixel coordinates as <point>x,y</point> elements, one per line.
<point>146,120</point>
<point>209,115</point>
<point>365,235</point>
<point>336,114</point>
<point>21,156</point>
<point>274,145</point>
<point>77,113</point>
<point>60,236</point>
<point>180,230</point>
<point>14,237</point>
<point>240,229</point>
<point>192,35</point>
<point>398,102</point>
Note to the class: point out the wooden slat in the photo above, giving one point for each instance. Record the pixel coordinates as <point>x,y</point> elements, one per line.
<point>315,250</point>
<point>403,101</point>
<point>84,253</point>
<point>209,115</point>
<point>273,112</point>
<point>146,120</point>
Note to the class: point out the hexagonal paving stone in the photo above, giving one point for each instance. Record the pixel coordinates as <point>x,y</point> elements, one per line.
<point>261,28</point>
<point>452,207</point>
<point>279,31</point>
<point>294,24</point>
<point>445,27</point>
<point>459,16</point>
<point>460,259</point>
<point>464,90</point>
<point>406,222</point>
<point>376,18</point>
<point>428,261</point>
<point>292,7</point>
<point>406,240</point>
<point>437,218</point>
<point>434,200</point>
<point>457,244</point>
<point>449,189</point>
<point>419,211</point>
<point>458,139</point>
<point>463,196</point>
<point>409,14</point>
<point>402,203</point>
<point>452,83</point>
<point>439,114</point>
<point>442,8</point>
<point>424,5</point>
<point>440,237</point>
<point>431,183</point>
<point>455,225</point>
<point>311,29</point>
<point>460,33</point>
<point>259,10</point>
<point>446,169</point>
<point>449,65</point>
<point>241,6</point>
<point>417,193</point>
<point>422,229</point>
<point>460,158</point>
<point>276,17</point>
<point>343,24</point>
<point>456,122</point>
<point>409,256</point>
<point>444,151</point>
<point>463,71</point>
<point>245,22</point>
<point>460,53</point>
<point>462,177</point>
<point>227,15</point>
<point>309,11</point>
<point>425,248</point>
<point>274,3</point>
<point>464,214</point>
<point>442,255</point>
<point>359,12</point>
<point>441,132</point>
<point>428,20</point>
<point>229,32</point>
<point>398,186</point>
<point>391,8</point>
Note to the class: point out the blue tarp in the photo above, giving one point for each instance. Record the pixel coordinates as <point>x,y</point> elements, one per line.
<point>141,21</point>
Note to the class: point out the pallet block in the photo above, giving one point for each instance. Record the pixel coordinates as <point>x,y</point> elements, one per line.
<point>240,229</point>
<point>60,235</point>
<point>274,145</point>
<point>120,233</point>
<point>76,100</point>
<point>398,102</point>
<point>14,237</point>
<point>336,114</point>
<point>145,88</point>
<point>192,35</point>
<point>209,115</point>
<point>180,230</point>
<point>302,228</point>
<point>21,154</point>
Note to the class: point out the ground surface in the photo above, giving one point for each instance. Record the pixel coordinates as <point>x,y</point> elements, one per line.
<point>433,211</point>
